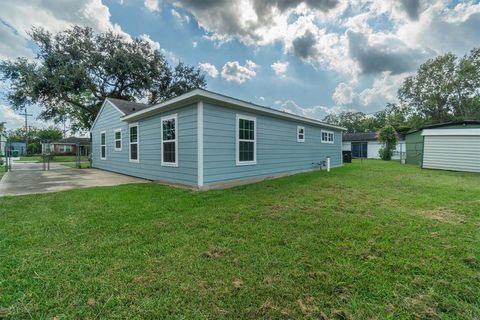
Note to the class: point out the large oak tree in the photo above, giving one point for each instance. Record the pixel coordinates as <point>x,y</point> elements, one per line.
<point>76,69</point>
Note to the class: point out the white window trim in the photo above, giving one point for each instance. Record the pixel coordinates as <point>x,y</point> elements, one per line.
<point>101,145</point>
<point>246,163</point>
<point>298,134</point>
<point>163,163</point>
<point>115,139</point>
<point>130,143</point>
<point>327,131</point>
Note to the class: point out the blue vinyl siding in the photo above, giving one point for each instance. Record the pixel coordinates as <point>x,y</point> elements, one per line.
<point>149,132</point>
<point>277,148</point>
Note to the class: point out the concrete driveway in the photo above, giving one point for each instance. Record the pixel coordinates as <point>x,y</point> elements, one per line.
<point>28,178</point>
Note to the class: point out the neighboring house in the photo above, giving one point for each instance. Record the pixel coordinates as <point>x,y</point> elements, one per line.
<point>17,148</point>
<point>366,145</point>
<point>205,140</point>
<point>68,146</point>
<point>3,140</point>
<point>448,146</point>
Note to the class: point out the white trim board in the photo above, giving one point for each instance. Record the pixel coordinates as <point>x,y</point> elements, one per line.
<point>451,132</point>
<point>200,144</point>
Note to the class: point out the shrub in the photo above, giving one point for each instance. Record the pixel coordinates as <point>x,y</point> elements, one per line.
<point>388,137</point>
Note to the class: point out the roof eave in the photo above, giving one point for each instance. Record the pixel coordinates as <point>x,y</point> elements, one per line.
<point>203,95</point>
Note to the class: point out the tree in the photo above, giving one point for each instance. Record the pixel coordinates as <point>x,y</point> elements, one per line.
<point>2,127</point>
<point>444,88</point>
<point>49,133</point>
<point>35,137</point>
<point>388,137</point>
<point>76,70</point>
<point>353,121</point>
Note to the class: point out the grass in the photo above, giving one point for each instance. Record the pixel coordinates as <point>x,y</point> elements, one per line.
<point>83,165</point>
<point>56,158</point>
<point>369,240</point>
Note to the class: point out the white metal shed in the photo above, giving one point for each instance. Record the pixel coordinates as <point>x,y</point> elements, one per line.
<point>452,149</point>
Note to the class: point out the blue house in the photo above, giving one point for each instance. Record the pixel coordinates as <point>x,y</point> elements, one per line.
<point>207,140</point>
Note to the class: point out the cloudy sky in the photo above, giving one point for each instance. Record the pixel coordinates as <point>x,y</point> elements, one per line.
<point>309,57</point>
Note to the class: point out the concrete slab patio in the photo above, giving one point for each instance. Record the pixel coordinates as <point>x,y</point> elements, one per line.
<point>28,178</point>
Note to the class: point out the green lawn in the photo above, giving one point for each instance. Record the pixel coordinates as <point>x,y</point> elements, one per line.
<point>57,158</point>
<point>369,240</point>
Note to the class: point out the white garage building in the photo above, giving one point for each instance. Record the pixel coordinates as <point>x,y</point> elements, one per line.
<point>366,145</point>
<point>455,149</point>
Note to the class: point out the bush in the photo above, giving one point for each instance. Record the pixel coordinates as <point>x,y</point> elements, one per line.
<point>385,154</point>
<point>388,137</point>
<point>1,161</point>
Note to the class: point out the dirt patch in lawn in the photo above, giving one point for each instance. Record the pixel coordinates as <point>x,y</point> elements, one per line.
<point>444,215</point>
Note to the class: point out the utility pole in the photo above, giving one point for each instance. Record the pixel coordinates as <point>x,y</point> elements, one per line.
<point>26,127</point>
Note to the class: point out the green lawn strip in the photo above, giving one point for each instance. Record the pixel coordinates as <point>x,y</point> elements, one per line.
<point>369,240</point>
<point>56,158</point>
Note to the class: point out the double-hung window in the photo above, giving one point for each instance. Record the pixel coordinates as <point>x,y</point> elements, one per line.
<point>118,139</point>
<point>134,140</point>
<point>246,140</point>
<point>103,145</point>
<point>327,136</point>
<point>169,141</point>
<point>300,134</point>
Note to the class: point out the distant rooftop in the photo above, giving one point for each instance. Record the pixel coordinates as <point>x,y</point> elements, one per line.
<point>73,140</point>
<point>366,136</point>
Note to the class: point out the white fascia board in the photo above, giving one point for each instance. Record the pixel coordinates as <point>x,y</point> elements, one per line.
<point>207,96</point>
<point>451,132</point>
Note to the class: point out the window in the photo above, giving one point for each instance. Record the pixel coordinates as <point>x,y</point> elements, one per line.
<point>118,139</point>
<point>103,145</point>
<point>327,136</point>
<point>300,134</point>
<point>133,157</point>
<point>169,141</point>
<point>246,140</point>
<point>64,148</point>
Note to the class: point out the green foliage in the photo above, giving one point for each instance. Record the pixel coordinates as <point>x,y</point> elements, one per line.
<point>35,137</point>
<point>396,115</point>
<point>445,88</point>
<point>76,70</point>
<point>388,137</point>
<point>370,240</point>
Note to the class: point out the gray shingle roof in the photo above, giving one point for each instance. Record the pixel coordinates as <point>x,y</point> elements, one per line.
<point>360,136</point>
<point>128,107</point>
<point>73,140</point>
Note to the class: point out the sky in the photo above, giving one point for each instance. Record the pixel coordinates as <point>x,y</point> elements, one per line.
<point>311,57</point>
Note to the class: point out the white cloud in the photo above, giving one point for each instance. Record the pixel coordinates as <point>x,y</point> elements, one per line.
<point>233,71</point>
<point>152,5</point>
<point>181,18</point>
<point>12,45</point>
<point>313,112</point>
<point>154,44</point>
<point>209,69</point>
<point>54,16</point>
<point>194,44</point>
<point>12,119</point>
<point>280,68</point>
<point>383,90</point>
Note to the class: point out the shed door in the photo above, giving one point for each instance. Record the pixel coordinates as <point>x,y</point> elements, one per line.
<point>458,153</point>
